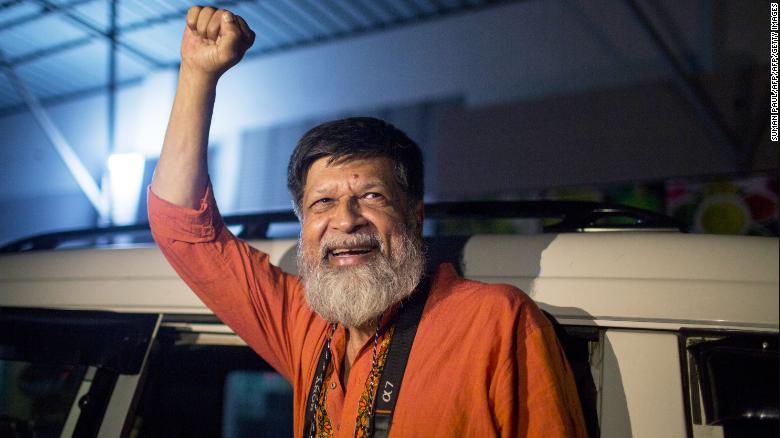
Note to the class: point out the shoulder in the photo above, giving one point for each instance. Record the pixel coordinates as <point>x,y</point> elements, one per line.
<point>488,303</point>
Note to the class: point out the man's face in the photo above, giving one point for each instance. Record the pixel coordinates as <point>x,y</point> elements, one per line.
<point>360,248</point>
<point>353,197</point>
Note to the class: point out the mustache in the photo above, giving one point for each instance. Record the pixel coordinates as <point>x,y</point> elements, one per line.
<point>329,243</point>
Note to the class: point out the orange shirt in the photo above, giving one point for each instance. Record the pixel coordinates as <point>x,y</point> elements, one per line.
<point>485,361</point>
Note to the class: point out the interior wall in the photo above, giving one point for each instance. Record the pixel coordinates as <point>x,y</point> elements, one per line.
<point>38,193</point>
<point>638,133</point>
<point>260,177</point>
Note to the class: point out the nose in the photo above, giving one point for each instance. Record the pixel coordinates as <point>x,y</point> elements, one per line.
<point>347,217</point>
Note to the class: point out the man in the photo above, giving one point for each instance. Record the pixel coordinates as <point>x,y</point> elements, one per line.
<point>483,360</point>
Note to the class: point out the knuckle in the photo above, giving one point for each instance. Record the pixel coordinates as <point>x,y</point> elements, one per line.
<point>192,13</point>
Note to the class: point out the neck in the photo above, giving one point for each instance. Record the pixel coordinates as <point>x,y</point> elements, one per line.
<point>356,338</point>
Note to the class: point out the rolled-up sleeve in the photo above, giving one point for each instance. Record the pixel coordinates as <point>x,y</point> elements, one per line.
<point>236,281</point>
<point>172,222</point>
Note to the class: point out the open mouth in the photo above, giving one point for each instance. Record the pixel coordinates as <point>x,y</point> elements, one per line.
<point>349,252</point>
<point>350,255</point>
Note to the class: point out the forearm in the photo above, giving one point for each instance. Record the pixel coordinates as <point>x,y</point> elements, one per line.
<point>182,171</point>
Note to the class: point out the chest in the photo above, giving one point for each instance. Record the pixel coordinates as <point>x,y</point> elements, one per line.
<point>444,392</point>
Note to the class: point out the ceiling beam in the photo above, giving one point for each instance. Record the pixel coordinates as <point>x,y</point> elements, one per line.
<point>344,15</point>
<point>356,28</point>
<point>359,29</point>
<point>414,7</point>
<point>71,95</point>
<point>322,15</point>
<point>50,50</point>
<point>81,22</point>
<point>9,3</point>
<point>290,28</point>
<point>43,12</point>
<point>113,73</point>
<point>366,12</point>
<point>79,42</point>
<point>176,15</point>
<point>61,146</point>
<point>300,17</point>
<point>390,10</point>
<point>704,108</point>
<point>313,17</point>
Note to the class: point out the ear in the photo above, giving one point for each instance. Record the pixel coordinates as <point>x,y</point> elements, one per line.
<point>419,215</point>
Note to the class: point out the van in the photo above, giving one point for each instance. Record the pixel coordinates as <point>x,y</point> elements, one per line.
<point>669,334</point>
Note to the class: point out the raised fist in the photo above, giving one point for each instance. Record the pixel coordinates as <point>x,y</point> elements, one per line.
<point>214,40</point>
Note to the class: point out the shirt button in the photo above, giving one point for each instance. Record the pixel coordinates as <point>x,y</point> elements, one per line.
<point>332,385</point>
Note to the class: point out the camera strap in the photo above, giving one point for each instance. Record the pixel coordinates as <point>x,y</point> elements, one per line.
<point>407,321</point>
<point>397,357</point>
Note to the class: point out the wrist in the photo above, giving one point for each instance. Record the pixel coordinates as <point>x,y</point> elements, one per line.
<point>197,77</point>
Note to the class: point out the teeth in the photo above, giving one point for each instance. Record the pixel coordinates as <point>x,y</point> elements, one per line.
<point>345,251</point>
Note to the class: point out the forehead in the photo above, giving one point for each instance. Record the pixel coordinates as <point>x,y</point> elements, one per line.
<point>324,174</point>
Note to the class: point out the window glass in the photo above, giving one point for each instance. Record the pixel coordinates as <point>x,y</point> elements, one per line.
<point>35,399</point>
<point>213,385</point>
<point>256,401</point>
<point>732,384</point>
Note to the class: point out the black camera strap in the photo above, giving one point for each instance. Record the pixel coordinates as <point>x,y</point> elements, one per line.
<point>309,429</point>
<point>406,323</point>
<point>397,357</point>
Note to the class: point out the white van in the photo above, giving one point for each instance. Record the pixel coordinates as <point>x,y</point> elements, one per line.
<point>669,335</point>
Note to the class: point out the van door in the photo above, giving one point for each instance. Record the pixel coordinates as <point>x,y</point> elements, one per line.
<point>70,373</point>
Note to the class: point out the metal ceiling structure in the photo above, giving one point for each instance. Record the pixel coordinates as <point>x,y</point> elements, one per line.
<point>54,50</point>
<point>65,49</point>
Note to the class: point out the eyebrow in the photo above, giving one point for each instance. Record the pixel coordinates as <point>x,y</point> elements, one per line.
<point>328,188</point>
<point>372,184</point>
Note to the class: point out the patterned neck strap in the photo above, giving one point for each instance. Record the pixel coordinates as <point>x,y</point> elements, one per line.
<point>406,325</point>
<point>320,395</point>
<point>374,369</point>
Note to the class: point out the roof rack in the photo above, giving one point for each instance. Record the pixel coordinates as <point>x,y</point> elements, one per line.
<point>573,216</point>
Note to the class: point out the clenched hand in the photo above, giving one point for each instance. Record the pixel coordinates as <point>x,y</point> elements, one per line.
<point>214,40</point>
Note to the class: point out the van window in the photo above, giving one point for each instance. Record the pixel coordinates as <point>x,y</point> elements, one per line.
<point>213,385</point>
<point>59,368</point>
<point>732,384</point>
<point>35,399</point>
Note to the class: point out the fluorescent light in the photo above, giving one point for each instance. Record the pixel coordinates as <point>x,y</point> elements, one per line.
<point>126,172</point>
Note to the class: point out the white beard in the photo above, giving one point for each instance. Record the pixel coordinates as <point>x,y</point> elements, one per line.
<point>355,295</point>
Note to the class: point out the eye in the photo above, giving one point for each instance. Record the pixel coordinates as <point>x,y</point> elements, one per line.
<point>321,202</point>
<point>373,196</point>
